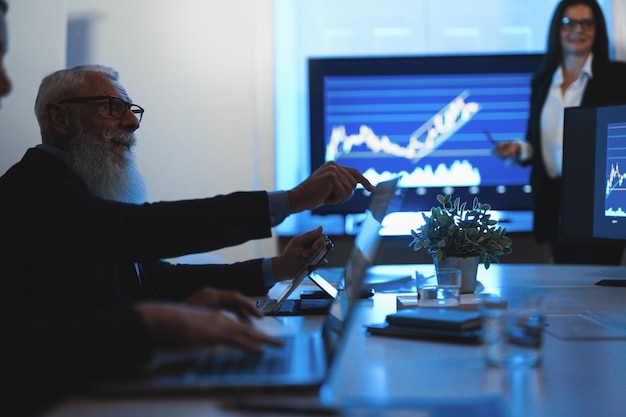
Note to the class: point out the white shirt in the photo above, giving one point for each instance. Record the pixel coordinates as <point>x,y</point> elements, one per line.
<point>552,116</point>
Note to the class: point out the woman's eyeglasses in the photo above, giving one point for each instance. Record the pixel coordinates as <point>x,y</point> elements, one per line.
<point>584,24</point>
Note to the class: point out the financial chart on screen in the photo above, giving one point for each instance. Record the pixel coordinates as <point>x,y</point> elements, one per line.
<point>615,198</point>
<point>594,182</point>
<point>434,120</point>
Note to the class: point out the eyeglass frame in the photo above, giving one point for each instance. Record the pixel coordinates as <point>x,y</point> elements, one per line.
<point>568,23</point>
<point>134,108</point>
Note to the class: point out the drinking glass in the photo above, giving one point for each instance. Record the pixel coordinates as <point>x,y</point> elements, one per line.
<point>442,288</point>
<point>513,329</point>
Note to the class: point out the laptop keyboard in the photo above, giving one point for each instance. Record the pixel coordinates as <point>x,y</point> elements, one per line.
<point>272,360</point>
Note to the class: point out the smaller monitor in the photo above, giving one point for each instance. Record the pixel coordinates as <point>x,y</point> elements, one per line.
<point>594,175</point>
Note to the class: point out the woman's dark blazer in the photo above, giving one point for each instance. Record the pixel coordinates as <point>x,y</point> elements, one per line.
<point>608,86</point>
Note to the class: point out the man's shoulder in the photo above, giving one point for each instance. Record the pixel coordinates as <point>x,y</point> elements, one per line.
<point>35,165</point>
<point>39,157</point>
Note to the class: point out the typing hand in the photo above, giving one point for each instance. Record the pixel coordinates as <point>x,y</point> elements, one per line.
<point>182,326</point>
<point>224,300</point>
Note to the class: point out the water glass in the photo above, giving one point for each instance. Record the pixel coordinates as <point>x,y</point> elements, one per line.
<point>513,329</point>
<point>440,289</point>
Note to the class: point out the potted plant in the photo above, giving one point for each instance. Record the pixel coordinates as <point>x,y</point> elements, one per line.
<point>456,235</point>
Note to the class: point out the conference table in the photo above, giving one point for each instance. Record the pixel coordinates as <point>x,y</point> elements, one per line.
<point>583,370</point>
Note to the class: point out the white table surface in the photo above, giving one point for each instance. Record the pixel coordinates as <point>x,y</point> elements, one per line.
<point>576,378</point>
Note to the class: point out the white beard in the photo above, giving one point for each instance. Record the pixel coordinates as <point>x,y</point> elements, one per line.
<point>111,175</point>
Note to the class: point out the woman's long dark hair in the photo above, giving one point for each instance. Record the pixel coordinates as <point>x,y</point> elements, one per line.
<point>554,50</point>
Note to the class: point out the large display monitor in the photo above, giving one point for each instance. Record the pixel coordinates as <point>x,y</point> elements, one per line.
<point>433,119</point>
<point>594,175</point>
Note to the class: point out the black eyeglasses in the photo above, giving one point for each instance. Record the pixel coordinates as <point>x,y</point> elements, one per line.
<point>570,24</point>
<point>117,106</point>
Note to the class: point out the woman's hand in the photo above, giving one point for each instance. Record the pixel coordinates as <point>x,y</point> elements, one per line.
<point>507,149</point>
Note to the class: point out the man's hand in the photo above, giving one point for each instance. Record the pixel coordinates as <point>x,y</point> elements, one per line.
<point>182,326</point>
<point>329,184</point>
<point>224,300</point>
<point>297,253</point>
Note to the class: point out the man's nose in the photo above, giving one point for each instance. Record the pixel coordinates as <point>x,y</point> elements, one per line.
<point>130,121</point>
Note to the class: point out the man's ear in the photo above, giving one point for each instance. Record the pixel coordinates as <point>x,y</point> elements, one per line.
<point>58,118</point>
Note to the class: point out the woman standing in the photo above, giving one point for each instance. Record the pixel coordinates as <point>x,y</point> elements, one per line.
<point>576,71</point>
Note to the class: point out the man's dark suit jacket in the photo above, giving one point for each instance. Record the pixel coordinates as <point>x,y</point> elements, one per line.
<point>69,270</point>
<point>608,86</point>
<point>64,250</point>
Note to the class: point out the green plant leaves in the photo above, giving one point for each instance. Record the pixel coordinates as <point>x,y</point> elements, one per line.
<point>454,230</point>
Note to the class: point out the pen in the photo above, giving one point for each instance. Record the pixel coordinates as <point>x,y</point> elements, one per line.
<point>489,137</point>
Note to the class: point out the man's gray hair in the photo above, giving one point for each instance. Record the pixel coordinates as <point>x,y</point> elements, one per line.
<point>63,84</point>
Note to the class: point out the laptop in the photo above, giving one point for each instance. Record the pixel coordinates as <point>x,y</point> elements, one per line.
<point>302,362</point>
<point>386,198</point>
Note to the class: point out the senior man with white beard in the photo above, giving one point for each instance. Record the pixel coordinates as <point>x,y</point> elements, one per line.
<point>77,236</point>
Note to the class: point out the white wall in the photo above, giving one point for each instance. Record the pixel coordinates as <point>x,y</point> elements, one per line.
<point>36,47</point>
<point>619,28</point>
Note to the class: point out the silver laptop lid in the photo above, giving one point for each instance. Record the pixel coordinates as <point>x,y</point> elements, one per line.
<point>385,199</point>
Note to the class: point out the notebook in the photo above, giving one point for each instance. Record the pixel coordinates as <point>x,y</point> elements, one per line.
<point>432,323</point>
<point>441,318</point>
<point>303,360</point>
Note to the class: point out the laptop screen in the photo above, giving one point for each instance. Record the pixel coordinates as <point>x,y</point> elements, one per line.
<point>385,199</point>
